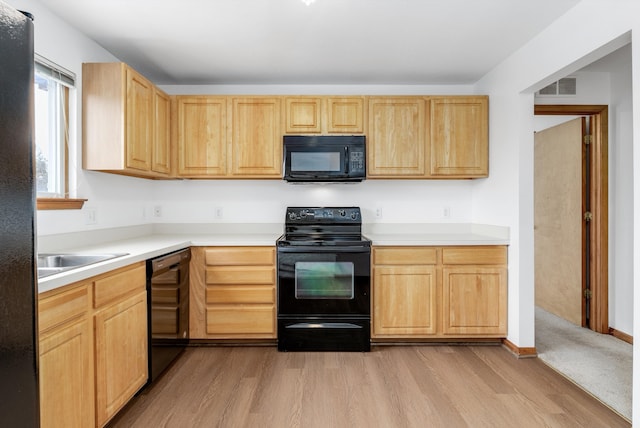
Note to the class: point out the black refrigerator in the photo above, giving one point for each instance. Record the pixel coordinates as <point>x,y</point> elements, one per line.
<point>18,280</point>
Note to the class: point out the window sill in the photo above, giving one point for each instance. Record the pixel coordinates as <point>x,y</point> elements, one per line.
<point>60,203</point>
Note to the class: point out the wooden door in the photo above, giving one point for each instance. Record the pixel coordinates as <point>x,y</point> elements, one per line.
<point>396,137</point>
<point>256,137</point>
<point>161,149</point>
<point>139,114</point>
<point>66,376</point>
<point>202,136</point>
<point>404,301</point>
<point>460,136</point>
<point>558,220</point>
<point>121,354</point>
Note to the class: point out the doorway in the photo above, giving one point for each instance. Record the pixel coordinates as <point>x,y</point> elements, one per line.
<point>590,298</point>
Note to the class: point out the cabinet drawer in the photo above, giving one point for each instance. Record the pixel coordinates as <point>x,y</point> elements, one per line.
<point>236,256</point>
<point>59,308</point>
<point>240,294</point>
<point>240,275</point>
<point>404,256</point>
<point>241,319</point>
<point>494,255</point>
<point>123,282</point>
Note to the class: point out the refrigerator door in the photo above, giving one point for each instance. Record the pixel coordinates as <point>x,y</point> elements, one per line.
<point>18,287</point>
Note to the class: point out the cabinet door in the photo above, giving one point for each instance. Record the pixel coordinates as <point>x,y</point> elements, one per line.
<point>396,137</point>
<point>139,109</point>
<point>66,376</point>
<point>121,354</point>
<point>202,136</point>
<point>404,301</point>
<point>460,136</point>
<point>345,115</point>
<point>303,115</point>
<point>161,151</point>
<point>256,140</point>
<point>475,300</point>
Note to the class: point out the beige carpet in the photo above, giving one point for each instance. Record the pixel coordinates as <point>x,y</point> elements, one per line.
<point>599,363</point>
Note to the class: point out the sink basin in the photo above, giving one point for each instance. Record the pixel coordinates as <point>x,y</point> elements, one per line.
<point>49,264</point>
<point>46,271</point>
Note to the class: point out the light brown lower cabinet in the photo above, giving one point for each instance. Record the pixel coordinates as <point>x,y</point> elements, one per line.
<point>92,348</point>
<point>66,359</point>
<point>232,294</point>
<point>404,300</point>
<point>439,292</point>
<point>121,354</point>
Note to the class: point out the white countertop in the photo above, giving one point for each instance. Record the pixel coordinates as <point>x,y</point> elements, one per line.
<point>144,248</point>
<point>163,239</point>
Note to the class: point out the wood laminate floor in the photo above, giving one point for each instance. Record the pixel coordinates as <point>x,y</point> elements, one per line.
<point>392,386</point>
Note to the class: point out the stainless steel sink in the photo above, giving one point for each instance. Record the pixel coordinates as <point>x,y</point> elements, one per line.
<point>49,264</point>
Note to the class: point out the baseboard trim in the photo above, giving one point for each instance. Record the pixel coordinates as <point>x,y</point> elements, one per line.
<point>518,351</point>
<point>620,335</point>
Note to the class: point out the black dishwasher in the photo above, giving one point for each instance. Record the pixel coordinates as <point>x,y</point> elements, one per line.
<point>168,309</point>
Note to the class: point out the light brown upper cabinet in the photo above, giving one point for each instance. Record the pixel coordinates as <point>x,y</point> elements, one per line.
<point>396,137</point>
<point>459,137</point>
<point>119,120</point>
<point>255,124</point>
<point>161,148</point>
<point>202,136</point>
<point>303,115</point>
<point>229,137</point>
<point>324,115</point>
<point>428,137</point>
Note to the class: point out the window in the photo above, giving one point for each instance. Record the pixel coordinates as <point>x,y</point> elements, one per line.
<point>52,90</point>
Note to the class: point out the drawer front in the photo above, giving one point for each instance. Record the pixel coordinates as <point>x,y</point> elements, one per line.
<point>236,256</point>
<point>240,294</point>
<point>59,308</point>
<point>493,255</point>
<point>405,256</point>
<point>241,319</point>
<point>241,275</point>
<point>121,283</point>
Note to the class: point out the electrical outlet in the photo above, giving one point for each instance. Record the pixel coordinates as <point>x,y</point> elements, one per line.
<point>157,211</point>
<point>379,212</point>
<point>446,212</point>
<point>90,216</point>
<point>219,212</point>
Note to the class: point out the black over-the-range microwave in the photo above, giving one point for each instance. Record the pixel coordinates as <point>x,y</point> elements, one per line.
<point>324,158</point>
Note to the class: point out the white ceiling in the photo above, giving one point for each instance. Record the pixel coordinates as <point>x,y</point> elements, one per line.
<point>327,42</point>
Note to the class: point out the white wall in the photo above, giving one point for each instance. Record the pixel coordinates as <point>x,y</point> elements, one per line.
<point>124,201</point>
<point>563,48</point>
<point>621,210</point>
<point>118,201</point>
<point>264,201</point>
<point>608,82</point>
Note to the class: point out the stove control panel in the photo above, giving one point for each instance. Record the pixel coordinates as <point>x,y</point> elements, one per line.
<point>323,215</point>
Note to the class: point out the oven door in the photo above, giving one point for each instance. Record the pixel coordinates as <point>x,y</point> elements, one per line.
<point>317,281</point>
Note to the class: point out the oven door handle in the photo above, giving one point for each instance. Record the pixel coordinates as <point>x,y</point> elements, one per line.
<point>320,324</point>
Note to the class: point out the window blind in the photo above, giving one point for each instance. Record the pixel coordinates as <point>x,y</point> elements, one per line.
<point>47,68</point>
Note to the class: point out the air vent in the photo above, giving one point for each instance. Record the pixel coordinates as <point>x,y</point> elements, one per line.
<point>563,87</point>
